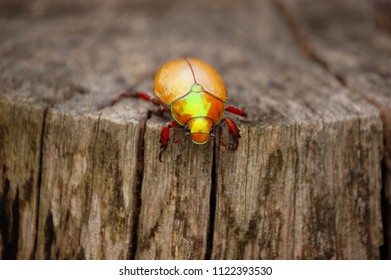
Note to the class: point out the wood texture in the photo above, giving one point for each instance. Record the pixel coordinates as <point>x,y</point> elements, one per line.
<point>175,199</point>
<point>304,183</point>
<point>351,39</point>
<point>88,199</point>
<point>20,156</point>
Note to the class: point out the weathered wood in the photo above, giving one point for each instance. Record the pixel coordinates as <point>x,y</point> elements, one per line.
<point>89,178</point>
<point>352,40</point>
<point>20,155</point>
<point>304,183</point>
<point>299,166</point>
<point>175,199</point>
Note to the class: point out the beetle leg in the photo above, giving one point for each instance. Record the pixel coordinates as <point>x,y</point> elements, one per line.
<point>234,130</point>
<point>236,111</point>
<point>141,95</point>
<point>222,144</point>
<point>161,107</point>
<point>147,97</point>
<point>217,137</point>
<point>165,137</point>
<point>160,111</point>
<point>122,95</point>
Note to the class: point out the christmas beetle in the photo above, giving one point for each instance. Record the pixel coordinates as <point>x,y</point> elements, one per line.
<point>195,95</point>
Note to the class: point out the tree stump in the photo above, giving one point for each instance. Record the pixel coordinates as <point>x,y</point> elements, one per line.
<point>81,179</point>
<point>351,40</point>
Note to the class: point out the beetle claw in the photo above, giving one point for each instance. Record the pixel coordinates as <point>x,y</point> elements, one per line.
<point>235,145</point>
<point>162,149</point>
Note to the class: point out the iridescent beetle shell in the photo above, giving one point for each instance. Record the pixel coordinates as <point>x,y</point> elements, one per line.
<point>195,93</point>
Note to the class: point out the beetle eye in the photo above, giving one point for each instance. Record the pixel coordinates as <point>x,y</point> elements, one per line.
<point>212,130</point>
<point>187,128</point>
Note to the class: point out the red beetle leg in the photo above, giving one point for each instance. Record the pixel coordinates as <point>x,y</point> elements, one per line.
<point>165,137</point>
<point>160,110</point>
<point>234,130</point>
<point>222,144</point>
<point>140,95</point>
<point>236,111</point>
<point>147,97</point>
<point>119,97</point>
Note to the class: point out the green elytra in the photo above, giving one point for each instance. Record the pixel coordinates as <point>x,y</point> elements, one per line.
<point>199,110</point>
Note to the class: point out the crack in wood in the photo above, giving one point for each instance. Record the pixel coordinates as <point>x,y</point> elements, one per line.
<point>39,181</point>
<point>385,116</point>
<point>94,160</point>
<point>139,177</point>
<point>213,196</point>
<point>295,188</point>
<point>6,222</point>
<point>9,216</point>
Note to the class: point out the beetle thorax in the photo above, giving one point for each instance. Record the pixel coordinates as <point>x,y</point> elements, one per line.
<point>197,103</point>
<point>200,128</point>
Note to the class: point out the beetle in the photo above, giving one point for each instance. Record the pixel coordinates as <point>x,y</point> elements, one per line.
<point>195,95</point>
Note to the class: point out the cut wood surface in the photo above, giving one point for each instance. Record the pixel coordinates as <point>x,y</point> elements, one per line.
<point>81,178</point>
<point>352,40</point>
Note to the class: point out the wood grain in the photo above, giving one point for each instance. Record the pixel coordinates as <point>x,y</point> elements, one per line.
<point>303,184</point>
<point>351,39</point>
<point>20,156</point>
